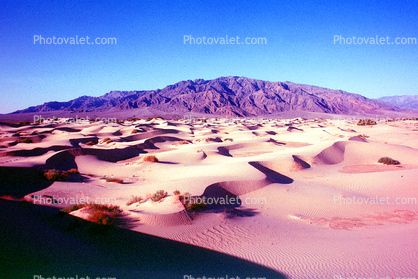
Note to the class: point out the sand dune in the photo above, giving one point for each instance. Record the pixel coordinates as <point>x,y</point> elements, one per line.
<point>306,198</point>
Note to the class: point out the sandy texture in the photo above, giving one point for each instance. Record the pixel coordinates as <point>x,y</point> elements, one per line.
<point>303,197</point>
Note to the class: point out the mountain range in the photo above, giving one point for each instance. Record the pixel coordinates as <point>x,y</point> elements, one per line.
<point>404,101</point>
<point>224,96</point>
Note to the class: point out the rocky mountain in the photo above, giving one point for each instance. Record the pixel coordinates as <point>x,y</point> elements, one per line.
<point>405,101</point>
<point>226,96</point>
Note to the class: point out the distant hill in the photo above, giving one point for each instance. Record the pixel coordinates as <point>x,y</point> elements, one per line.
<point>404,101</point>
<point>227,96</point>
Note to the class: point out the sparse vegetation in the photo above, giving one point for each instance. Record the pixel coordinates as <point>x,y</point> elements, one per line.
<point>150,158</point>
<point>364,122</point>
<point>103,214</point>
<point>388,161</point>
<point>113,179</point>
<point>57,175</point>
<point>176,192</point>
<point>135,199</point>
<point>134,131</point>
<point>159,195</point>
<point>105,141</point>
<point>73,208</point>
<point>363,136</point>
<point>191,204</point>
<point>90,143</point>
<point>229,139</point>
<point>182,142</point>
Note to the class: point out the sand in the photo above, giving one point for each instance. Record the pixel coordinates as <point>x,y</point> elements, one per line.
<point>294,198</point>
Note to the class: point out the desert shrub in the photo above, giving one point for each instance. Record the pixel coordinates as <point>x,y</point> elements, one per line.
<point>26,140</point>
<point>135,199</point>
<point>181,142</point>
<point>191,204</point>
<point>363,122</point>
<point>55,175</point>
<point>73,208</point>
<point>196,205</point>
<point>71,171</point>
<point>24,123</point>
<point>134,131</point>
<point>106,140</point>
<point>363,136</point>
<point>159,195</point>
<point>388,161</point>
<point>176,192</point>
<point>112,179</point>
<point>150,158</point>
<point>103,214</point>
<point>90,143</point>
<point>150,118</point>
<point>228,139</point>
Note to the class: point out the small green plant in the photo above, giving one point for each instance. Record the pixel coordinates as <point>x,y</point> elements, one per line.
<point>135,199</point>
<point>159,195</point>
<point>388,161</point>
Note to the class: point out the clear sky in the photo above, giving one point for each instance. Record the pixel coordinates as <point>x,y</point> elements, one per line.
<point>150,52</point>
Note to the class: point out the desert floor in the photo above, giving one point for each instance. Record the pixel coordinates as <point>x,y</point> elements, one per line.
<point>294,198</point>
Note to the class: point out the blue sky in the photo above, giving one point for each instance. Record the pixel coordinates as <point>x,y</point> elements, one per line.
<point>150,52</point>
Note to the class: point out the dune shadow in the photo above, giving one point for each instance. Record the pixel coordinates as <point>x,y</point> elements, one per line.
<point>46,246</point>
<point>218,197</point>
<point>272,176</point>
<point>21,181</point>
<point>224,151</point>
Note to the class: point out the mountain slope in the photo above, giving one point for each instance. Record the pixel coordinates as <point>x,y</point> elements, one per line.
<point>227,96</point>
<point>404,101</point>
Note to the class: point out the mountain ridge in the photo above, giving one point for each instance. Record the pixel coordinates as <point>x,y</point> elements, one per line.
<point>228,96</point>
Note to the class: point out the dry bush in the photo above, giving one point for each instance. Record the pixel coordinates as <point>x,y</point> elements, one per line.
<point>113,179</point>
<point>363,122</point>
<point>104,214</point>
<point>71,171</point>
<point>134,131</point>
<point>363,136</point>
<point>388,161</point>
<point>90,143</point>
<point>135,199</point>
<point>176,192</point>
<point>106,140</point>
<point>73,208</point>
<point>159,195</point>
<point>26,140</point>
<point>150,158</point>
<point>191,204</point>
<point>229,139</point>
<point>55,175</point>
<point>181,142</point>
